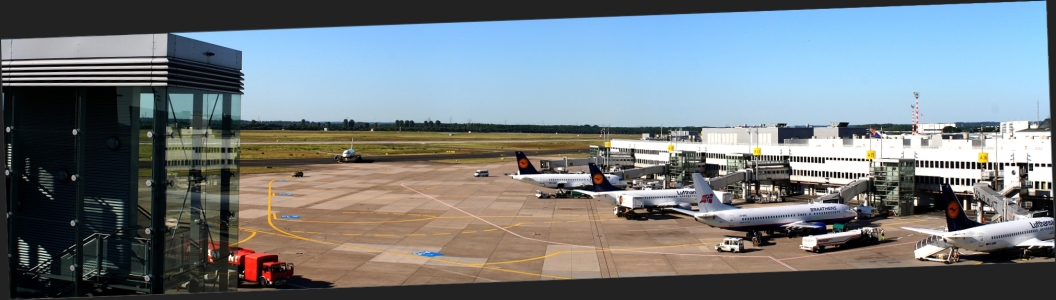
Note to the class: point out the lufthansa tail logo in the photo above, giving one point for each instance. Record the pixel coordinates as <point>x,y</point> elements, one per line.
<point>953,210</point>
<point>523,163</point>
<point>598,178</point>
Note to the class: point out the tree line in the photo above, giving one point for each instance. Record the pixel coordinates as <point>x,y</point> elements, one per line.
<point>438,126</point>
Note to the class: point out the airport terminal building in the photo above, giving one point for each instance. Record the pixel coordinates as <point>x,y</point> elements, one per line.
<point>894,173</point>
<point>121,164</point>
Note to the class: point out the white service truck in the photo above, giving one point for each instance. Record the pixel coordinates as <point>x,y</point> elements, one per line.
<point>861,236</point>
<point>724,197</point>
<point>731,244</point>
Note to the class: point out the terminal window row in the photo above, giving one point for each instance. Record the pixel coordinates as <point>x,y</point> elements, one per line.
<point>966,165</point>
<point>644,151</point>
<point>650,161</point>
<point>829,174</point>
<point>821,160</point>
<point>1041,185</point>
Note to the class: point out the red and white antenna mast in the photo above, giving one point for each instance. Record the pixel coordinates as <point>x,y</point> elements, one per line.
<point>916,114</point>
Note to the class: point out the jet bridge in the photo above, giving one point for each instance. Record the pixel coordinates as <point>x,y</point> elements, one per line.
<point>721,182</point>
<point>846,192</point>
<point>1006,208</point>
<point>639,172</point>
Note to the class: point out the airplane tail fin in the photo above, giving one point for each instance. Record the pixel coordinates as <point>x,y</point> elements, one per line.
<point>708,201</point>
<point>600,183</point>
<point>956,219</point>
<point>525,167</point>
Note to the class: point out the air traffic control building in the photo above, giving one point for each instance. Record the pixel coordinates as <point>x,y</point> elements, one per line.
<point>121,164</point>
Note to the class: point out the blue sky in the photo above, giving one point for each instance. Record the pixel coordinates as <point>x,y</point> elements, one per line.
<point>970,62</point>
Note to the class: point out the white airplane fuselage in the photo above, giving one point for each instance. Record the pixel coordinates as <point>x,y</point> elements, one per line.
<point>654,198</point>
<point>565,180</point>
<point>1001,236</point>
<point>764,218</point>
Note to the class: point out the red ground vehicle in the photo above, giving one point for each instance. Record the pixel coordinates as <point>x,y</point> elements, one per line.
<point>264,269</point>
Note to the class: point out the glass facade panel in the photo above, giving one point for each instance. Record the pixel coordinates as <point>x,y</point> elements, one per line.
<point>201,155</point>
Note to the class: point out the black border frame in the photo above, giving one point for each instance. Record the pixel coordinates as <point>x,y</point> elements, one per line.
<point>28,19</point>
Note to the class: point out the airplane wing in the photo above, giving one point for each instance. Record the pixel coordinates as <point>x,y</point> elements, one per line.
<point>588,193</point>
<point>1036,243</point>
<point>596,195</point>
<point>800,225</point>
<point>926,231</point>
<point>695,214</point>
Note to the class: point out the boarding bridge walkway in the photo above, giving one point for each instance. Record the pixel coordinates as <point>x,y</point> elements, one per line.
<point>1000,203</point>
<point>639,172</point>
<point>846,192</point>
<point>721,182</point>
<point>934,248</point>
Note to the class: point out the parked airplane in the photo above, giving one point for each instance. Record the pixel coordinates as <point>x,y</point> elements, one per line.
<point>526,172</point>
<point>651,199</point>
<point>714,213</point>
<point>961,232</point>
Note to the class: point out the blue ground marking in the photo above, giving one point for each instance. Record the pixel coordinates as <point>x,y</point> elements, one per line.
<point>290,217</point>
<point>428,253</point>
<point>284,194</point>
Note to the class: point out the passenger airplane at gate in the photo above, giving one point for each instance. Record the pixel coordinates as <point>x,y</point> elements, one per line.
<point>651,199</point>
<point>527,173</point>
<point>714,213</point>
<point>1027,234</point>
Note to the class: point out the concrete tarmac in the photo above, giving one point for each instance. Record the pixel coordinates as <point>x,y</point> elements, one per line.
<point>414,222</point>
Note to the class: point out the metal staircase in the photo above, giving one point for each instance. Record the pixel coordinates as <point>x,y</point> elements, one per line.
<point>42,281</point>
<point>933,248</point>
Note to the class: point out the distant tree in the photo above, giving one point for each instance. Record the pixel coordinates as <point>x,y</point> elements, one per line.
<point>351,123</point>
<point>302,122</point>
<point>950,129</point>
<point>346,123</point>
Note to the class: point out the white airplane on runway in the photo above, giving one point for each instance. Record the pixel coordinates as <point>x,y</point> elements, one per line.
<point>528,174</point>
<point>961,232</point>
<point>714,213</point>
<point>651,199</point>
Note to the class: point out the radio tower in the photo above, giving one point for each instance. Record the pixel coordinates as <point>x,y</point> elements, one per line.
<point>916,114</point>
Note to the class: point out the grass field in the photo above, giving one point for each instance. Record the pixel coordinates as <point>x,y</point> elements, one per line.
<point>292,151</point>
<point>249,136</point>
<point>473,160</point>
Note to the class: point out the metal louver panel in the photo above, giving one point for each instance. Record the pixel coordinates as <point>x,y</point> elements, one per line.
<point>147,71</point>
